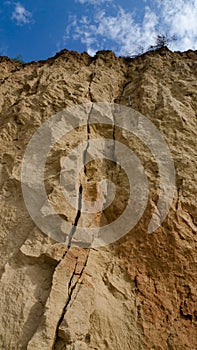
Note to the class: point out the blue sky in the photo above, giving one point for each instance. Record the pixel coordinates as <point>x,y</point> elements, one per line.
<point>38,29</point>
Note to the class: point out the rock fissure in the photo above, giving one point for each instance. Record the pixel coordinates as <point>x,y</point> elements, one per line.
<point>88,139</point>
<point>74,227</point>
<point>113,138</point>
<point>92,75</point>
<point>80,190</point>
<point>71,290</point>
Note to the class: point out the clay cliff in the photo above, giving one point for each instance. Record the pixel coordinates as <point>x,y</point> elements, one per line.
<point>139,292</point>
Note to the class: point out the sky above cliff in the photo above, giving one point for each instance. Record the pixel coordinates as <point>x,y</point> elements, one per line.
<point>38,29</point>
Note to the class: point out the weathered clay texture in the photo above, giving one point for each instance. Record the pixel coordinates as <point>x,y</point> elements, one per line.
<point>140,292</point>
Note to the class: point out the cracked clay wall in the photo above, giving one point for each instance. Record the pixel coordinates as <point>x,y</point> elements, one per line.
<point>138,293</point>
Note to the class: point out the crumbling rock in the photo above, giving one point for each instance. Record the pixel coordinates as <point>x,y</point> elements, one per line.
<point>139,292</point>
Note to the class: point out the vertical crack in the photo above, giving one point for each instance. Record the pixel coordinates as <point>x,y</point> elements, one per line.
<point>88,123</point>
<point>117,100</point>
<point>77,218</point>
<point>74,227</point>
<point>92,75</point>
<point>80,191</point>
<point>88,143</point>
<point>122,97</point>
<point>71,289</point>
<point>70,292</point>
<point>113,137</point>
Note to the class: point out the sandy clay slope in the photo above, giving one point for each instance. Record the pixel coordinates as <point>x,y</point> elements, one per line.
<point>138,293</point>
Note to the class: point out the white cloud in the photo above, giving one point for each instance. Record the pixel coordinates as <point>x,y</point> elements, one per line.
<point>180,17</point>
<point>91,52</point>
<point>120,31</point>
<point>93,2</point>
<point>123,34</point>
<point>21,15</point>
